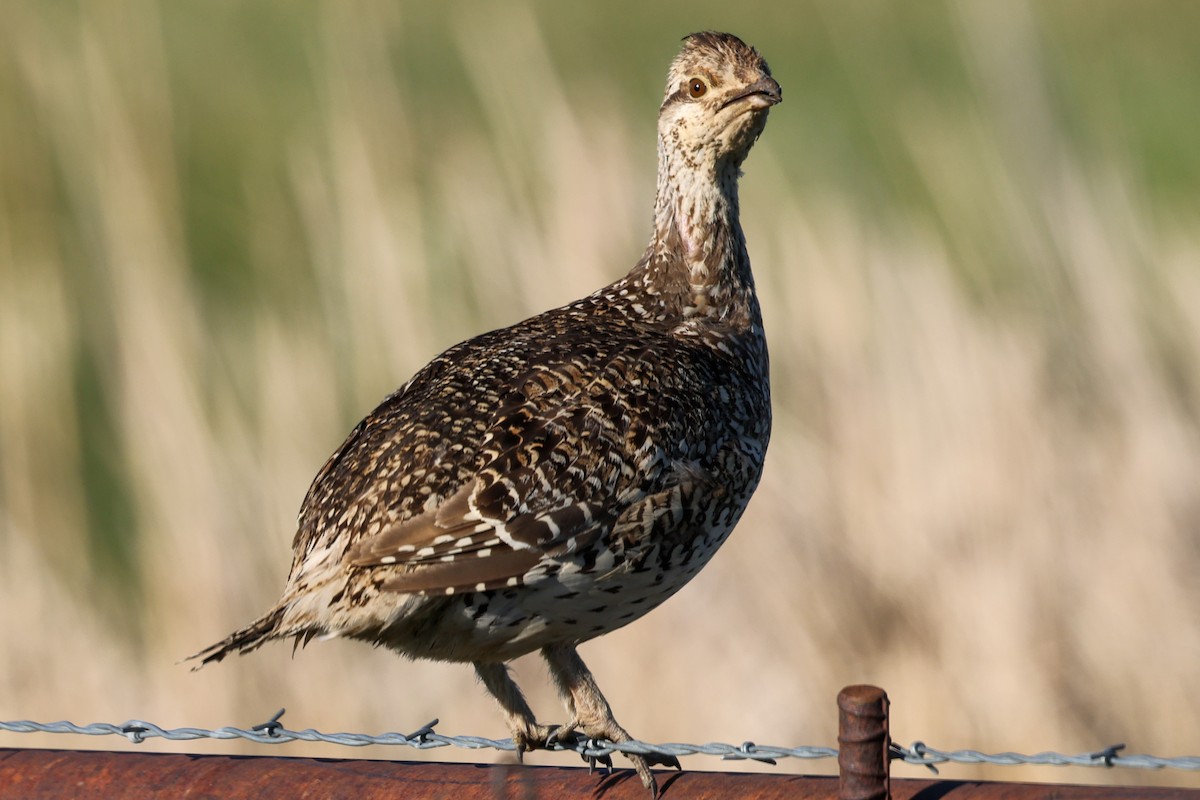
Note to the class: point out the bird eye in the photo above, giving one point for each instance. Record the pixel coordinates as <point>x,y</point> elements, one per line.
<point>697,87</point>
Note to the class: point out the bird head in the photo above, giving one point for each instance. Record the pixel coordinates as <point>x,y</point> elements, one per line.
<point>718,92</point>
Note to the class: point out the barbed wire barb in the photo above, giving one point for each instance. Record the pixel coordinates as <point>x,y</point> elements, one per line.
<point>271,725</point>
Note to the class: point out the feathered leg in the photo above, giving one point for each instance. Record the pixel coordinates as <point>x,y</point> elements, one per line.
<point>526,732</point>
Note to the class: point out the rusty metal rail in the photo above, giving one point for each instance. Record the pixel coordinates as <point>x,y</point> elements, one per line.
<point>864,759</point>
<point>58,774</point>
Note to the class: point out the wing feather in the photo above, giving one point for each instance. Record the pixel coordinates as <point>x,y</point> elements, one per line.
<point>555,477</point>
<point>473,573</point>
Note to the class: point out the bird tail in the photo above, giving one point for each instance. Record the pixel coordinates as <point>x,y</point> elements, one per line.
<point>249,638</point>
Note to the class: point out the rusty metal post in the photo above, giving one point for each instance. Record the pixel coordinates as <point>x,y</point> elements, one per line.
<point>863,741</point>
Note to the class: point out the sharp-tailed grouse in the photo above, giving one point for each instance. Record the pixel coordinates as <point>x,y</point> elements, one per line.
<point>539,486</point>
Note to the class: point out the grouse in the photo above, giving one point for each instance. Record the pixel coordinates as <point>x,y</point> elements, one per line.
<point>538,486</point>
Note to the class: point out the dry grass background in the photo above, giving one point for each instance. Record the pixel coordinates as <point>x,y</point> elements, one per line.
<point>226,231</point>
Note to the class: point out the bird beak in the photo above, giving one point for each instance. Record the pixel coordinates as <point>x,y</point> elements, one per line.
<point>763,93</point>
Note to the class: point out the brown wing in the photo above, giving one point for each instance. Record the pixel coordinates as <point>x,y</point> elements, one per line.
<point>546,492</point>
<point>451,549</point>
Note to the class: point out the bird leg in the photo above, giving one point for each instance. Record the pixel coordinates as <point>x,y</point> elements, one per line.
<point>590,712</point>
<point>527,734</point>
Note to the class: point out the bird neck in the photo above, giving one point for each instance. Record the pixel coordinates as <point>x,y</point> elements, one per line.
<point>698,247</point>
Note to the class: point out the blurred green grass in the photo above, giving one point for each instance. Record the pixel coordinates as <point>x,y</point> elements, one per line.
<point>228,229</point>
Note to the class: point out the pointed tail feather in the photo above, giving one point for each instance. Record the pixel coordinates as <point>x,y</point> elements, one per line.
<point>245,640</point>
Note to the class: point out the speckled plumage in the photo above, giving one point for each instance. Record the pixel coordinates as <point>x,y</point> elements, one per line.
<point>541,485</point>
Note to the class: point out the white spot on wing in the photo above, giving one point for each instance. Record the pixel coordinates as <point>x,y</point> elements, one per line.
<point>507,538</point>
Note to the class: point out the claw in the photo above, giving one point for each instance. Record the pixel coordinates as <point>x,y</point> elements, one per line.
<point>557,735</point>
<point>643,770</point>
<point>605,760</point>
<point>530,737</point>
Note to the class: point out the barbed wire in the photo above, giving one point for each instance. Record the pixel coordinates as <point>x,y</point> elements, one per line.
<point>922,754</point>
<point>426,738</point>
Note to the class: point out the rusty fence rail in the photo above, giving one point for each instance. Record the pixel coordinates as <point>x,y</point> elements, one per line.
<point>83,774</point>
<point>864,757</point>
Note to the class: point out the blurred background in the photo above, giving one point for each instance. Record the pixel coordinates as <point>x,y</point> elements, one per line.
<point>228,229</point>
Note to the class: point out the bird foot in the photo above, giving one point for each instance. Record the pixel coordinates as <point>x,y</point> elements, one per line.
<point>607,729</point>
<point>530,736</point>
